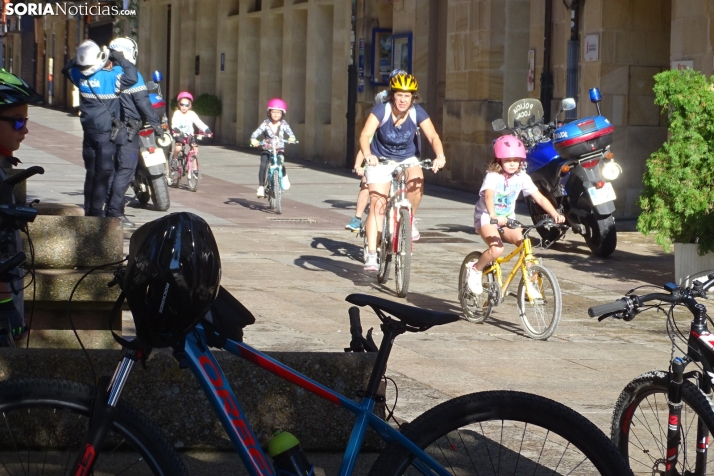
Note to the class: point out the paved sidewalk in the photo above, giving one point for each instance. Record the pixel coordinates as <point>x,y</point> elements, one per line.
<point>294,270</point>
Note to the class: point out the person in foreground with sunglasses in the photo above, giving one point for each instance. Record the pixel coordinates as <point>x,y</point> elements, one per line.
<point>183,122</point>
<point>15,95</point>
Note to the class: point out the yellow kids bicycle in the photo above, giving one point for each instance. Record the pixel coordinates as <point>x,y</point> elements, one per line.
<point>539,299</point>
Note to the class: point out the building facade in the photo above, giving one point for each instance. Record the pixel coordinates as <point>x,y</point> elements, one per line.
<point>472,58</point>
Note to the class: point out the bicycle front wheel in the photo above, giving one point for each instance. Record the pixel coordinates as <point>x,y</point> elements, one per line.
<point>541,317</point>
<point>194,174</point>
<point>505,433</point>
<point>44,424</point>
<point>640,421</point>
<point>277,192</point>
<point>403,261</point>
<point>476,307</point>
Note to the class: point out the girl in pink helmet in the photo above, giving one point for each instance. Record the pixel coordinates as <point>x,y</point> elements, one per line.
<point>274,127</point>
<point>504,180</point>
<point>184,120</point>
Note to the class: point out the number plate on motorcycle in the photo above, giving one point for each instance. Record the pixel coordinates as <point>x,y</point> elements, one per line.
<point>601,195</point>
<point>153,159</point>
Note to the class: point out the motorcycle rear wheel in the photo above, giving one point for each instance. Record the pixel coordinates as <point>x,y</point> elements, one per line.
<point>160,194</point>
<point>601,235</point>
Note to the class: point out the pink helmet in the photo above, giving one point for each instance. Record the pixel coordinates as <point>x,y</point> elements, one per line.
<point>509,146</point>
<point>184,94</point>
<point>277,103</point>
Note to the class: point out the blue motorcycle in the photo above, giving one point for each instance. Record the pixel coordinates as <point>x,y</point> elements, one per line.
<point>571,164</point>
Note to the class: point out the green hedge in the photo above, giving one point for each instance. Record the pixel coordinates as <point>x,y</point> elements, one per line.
<point>207,105</point>
<point>678,200</point>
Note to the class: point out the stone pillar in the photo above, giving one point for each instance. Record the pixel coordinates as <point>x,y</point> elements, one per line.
<point>247,113</point>
<point>226,80</point>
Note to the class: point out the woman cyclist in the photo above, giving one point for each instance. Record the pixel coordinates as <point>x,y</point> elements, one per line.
<point>183,122</point>
<point>395,126</point>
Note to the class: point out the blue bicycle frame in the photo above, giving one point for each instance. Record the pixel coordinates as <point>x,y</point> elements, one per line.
<point>216,387</point>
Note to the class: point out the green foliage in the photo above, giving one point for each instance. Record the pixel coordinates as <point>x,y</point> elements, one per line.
<point>173,104</point>
<point>678,201</point>
<point>207,105</point>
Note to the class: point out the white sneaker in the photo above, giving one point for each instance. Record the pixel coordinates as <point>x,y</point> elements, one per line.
<point>370,262</point>
<point>473,279</point>
<point>284,182</point>
<point>261,192</point>
<point>532,290</point>
<point>415,233</point>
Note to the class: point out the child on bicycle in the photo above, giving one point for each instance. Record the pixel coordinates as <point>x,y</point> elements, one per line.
<point>504,180</point>
<point>183,122</point>
<point>274,127</point>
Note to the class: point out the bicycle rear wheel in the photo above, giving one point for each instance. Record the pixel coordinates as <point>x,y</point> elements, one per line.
<point>505,433</point>
<point>384,248</point>
<point>640,421</point>
<point>194,174</point>
<point>277,192</point>
<point>44,424</point>
<point>403,261</point>
<point>175,171</point>
<point>542,317</point>
<point>476,308</point>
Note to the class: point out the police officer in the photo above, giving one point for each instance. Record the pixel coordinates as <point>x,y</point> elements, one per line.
<point>136,109</point>
<point>100,75</point>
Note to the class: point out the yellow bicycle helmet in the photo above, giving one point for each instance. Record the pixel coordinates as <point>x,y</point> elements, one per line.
<point>404,82</point>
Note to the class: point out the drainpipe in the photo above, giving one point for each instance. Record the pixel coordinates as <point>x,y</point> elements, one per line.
<point>546,77</point>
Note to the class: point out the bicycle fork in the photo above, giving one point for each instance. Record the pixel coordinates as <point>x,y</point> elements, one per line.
<point>102,413</point>
<point>674,432</point>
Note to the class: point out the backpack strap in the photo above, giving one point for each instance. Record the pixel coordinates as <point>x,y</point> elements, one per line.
<point>388,112</point>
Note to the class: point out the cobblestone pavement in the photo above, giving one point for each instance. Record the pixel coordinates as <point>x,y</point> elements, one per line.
<point>294,270</point>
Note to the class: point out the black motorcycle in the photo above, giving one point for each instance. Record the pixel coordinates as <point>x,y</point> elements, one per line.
<point>571,164</point>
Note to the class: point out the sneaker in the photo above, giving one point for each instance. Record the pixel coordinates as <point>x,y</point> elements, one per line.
<point>532,288</point>
<point>370,262</point>
<point>261,192</point>
<point>125,222</point>
<point>473,280</point>
<point>284,182</point>
<point>415,233</point>
<point>355,224</point>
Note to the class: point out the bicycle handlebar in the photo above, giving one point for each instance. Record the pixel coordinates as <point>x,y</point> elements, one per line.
<point>17,260</point>
<point>23,175</point>
<point>546,222</point>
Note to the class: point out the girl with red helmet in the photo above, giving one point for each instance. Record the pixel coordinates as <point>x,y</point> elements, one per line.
<point>184,120</point>
<point>504,180</point>
<point>274,127</point>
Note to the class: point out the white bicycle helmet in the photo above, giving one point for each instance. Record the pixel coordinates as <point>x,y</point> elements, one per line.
<point>91,58</point>
<point>127,46</point>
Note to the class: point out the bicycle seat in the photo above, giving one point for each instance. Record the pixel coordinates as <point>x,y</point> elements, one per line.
<point>410,315</point>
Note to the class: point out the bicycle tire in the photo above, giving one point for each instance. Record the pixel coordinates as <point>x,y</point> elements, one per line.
<point>544,313</point>
<point>45,421</point>
<point>640,420</point>
<point>363,234</point>
<point>385,246</point>
<point>476,308</point>
<point>194,176</point>
<point>403,259</point>
<point>176,170</point>
<point>277,193</point>
<point>460,434</point>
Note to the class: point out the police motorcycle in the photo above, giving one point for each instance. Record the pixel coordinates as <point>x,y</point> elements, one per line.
<point>573,166</point>
<point>150,182</point>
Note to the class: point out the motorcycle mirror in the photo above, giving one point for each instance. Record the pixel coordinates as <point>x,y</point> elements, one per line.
<point>568,104</point>
<point>498,125</point>
<point>150,86</point>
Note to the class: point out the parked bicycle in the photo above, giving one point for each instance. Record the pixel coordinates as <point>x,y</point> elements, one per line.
<point>539,299</point>
<point>662,419</point>
<point>275,177</point>
<point>395,241</point>
<point>186,163</point>
<point>54,425</point>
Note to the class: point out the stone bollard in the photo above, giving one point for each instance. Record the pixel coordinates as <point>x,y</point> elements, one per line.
<point>174,401</point>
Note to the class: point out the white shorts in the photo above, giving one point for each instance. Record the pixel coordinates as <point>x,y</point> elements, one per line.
<point>484,219</point>
<point>382,173</point>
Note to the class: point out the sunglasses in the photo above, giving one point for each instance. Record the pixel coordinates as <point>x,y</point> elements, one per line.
<point>185,104</point>
<point>18,124</point>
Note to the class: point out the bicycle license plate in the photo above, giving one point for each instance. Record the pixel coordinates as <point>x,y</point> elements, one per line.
<point>599,196</point>
<point>153,159</point>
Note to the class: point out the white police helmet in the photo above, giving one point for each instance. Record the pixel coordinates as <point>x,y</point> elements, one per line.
<point>127,46</point>
<point>91,58</point>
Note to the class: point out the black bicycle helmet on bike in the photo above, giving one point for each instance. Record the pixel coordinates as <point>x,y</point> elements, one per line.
<point>172,278</point>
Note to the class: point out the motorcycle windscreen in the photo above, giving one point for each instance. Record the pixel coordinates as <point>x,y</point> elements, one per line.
<point>524,112</point>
